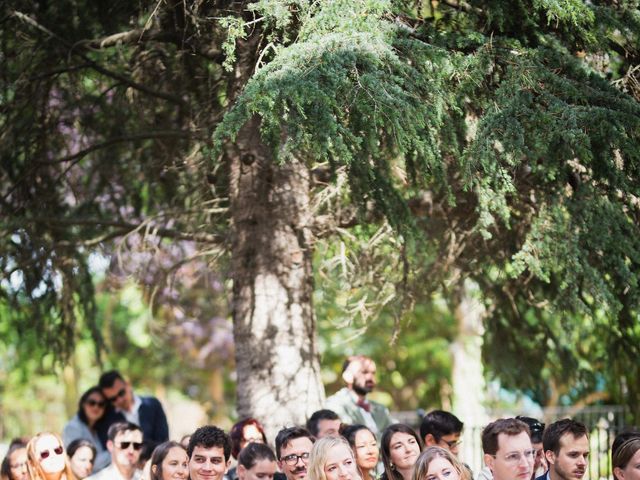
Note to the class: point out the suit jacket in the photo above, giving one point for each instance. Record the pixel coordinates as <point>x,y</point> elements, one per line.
<point>343,403</point>
<point>544,476</point>
<point>153,421</point>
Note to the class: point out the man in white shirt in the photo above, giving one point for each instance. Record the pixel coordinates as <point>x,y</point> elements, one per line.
<point>124,444</point>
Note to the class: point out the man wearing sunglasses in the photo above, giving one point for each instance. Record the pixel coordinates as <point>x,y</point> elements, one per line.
<point>125,405</point>
<point>124,444</point>
<point>536,428</point>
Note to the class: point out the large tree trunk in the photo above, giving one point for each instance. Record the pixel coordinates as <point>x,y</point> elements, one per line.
<point>274,325</point>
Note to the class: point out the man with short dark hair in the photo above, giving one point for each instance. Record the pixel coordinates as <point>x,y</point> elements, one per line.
<point>508,453</point>
<point>146,412</point>
<point>566,449</point>
<point>536,428</point>
<point>324,423</point>
<point>351,403</point>
<point>441,429</point>
<point>125,444</point>
<point>209,453</point>
<point>293,446</point>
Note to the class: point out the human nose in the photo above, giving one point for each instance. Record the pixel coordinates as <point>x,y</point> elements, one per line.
<point>343,471</point>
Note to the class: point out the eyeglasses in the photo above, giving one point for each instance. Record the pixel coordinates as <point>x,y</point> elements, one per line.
<point>45,453</point>
<point>293,458</point>
<point>96,403</point>
<point>516,457</point>
<point>120,393</point>
<point>125,445</point>
<point>452,443</point>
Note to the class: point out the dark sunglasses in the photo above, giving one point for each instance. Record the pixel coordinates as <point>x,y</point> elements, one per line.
<point>125,445</point>
<point>537,427</point>
<point>120,393</point>
<point>45,453</point>
<point>95,403</point>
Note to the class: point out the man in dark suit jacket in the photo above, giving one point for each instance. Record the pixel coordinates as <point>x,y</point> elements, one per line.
<point>146,412</point>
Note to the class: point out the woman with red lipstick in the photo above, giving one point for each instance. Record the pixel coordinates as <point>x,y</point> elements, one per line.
<point>365,448</point>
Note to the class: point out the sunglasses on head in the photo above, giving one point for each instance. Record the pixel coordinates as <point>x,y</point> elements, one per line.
<point>120,393</point>
<point>45,453</point>
<point>95,403</point>
<point>125,445</point>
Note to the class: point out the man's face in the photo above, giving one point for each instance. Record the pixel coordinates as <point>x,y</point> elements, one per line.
<point>364,375</point>
<point>514,458</point>
<point>294,467</point>
<point>572,459</point>
<point>450,442</point>
<point>119,394</point>
<point>207,463</point>
<point>125,449</point>
<point>328,428</point>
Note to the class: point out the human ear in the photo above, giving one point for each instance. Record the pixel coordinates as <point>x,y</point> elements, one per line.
<point>241,472</point>
<point>488,461</point>
<point>618,473</point>
<point>430,440</point>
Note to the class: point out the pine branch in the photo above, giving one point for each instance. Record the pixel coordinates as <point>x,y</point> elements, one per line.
<point>99,68</point>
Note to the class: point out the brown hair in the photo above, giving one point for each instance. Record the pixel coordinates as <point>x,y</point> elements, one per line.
<point>431,453</point>
<point>508,426</point>
<point>33,462</point>
<point>623,454</point>
<point>385,448</point>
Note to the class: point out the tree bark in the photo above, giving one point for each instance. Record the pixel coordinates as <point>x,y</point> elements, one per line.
<point>274,325</point>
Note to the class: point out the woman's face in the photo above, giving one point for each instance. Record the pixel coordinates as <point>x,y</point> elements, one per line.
<point>441,469</point>
<point>403,450</point>
<point>264,469</point>
<point>82,462</point>
<point>50,453</point>
<point>94,407</point>
<point>632,470</point>
<point>175,465</point>
<point>18,464</point>
<point>340,464</point>
<point>366,449</point>
<point>250,433</point>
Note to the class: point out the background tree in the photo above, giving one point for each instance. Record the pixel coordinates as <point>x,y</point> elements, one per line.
<point>480,132</point>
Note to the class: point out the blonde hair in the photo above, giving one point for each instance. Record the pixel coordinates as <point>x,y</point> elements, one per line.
<point>431,453</point>
<point>319,454</point>
<point>33,462</point>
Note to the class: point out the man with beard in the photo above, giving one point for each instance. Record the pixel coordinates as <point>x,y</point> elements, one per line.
<point>566,449</point>
<point>293,446</point>
<point>124,444</point>
<point>351,403</point>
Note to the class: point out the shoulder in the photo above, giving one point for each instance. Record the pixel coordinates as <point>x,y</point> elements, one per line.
<point>150,401</point>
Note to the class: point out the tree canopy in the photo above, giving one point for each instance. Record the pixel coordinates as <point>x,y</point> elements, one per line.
<point>497,140</point>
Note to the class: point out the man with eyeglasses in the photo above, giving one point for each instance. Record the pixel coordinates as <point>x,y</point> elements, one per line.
<point>293,446</point>
<point>124,444</point>
<point>441,429</point>
<point>507,448</point>
<point>536,428</point>
<point>209,453</point>
<point>144,411</point>
<point>566,449</point>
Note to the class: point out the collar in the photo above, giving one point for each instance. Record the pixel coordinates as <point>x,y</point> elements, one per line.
<point>137,401</point>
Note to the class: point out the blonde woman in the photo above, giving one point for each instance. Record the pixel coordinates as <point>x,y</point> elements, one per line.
<point>436,463</point>
<point>47,459</point>
<point>331,458</point>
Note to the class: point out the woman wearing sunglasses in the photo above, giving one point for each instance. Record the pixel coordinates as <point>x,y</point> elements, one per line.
<point>47,459</point>
<point>84,424</point>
